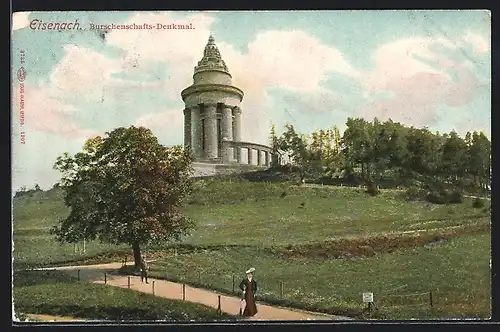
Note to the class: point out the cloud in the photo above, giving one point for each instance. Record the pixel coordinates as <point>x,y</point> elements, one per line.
<point>480,44</point>
<point>419,77</point>
<point>162,120</point>
<point>470,124</point>
<point>297,61</point>
<point>45,112</point>
<point>90,74</point>
<point>20,20</point>
<point>177,48</point>
<point>84,75</point>
<point>413,72</point>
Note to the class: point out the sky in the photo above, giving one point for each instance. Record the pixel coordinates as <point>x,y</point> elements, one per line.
<point>312,69</point>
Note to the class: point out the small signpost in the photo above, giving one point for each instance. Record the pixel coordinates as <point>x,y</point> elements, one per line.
<point>368,298</point>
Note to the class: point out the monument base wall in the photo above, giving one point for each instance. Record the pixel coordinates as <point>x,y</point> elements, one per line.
<point>211,169</point>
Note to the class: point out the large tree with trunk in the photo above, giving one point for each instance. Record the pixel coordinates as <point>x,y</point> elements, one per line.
<point>125,188</point>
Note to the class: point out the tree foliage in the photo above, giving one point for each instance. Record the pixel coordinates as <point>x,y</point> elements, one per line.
<point>125,188</point>
<point>295,147</point>
<point>375,152</point>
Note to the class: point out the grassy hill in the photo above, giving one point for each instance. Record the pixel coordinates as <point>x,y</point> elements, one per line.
<point>326,244</point>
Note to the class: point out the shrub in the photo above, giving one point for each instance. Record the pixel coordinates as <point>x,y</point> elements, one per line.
<point>478,203</point>
<point>371,188</point>
<point>436,197</point>
<point>456,197</point>
<point>412,194</point>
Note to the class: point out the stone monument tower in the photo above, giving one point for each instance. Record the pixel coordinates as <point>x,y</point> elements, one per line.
<point>212,113</point>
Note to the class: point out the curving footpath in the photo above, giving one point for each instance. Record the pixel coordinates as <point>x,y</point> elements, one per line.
<point>172,290</point>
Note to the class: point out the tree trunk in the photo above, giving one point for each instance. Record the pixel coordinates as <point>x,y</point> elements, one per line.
<point>137,255</point>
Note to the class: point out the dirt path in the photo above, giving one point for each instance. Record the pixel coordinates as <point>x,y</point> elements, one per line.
<point>172,290</point>
<point>52,318</point>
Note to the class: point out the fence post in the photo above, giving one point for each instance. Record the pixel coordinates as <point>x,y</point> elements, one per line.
<point>78,274</point>
<point>430,299</point>
<point>105,278</point>
<point>183,292</point>
<point>281,290</point>
<point>128,282</point>
<point>153,287</point>
<point>219,310</point>
<point>233,285</point>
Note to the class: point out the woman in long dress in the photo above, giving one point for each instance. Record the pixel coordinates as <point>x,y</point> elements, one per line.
<point>249,287</point>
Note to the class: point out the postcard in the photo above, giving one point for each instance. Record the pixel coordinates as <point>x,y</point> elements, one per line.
<point>236,166</point>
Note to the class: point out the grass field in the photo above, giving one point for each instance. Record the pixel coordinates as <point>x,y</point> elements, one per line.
<point>461,287</point>
<point>225,210</point>
<point>328,245</point>
<point>55,293</point>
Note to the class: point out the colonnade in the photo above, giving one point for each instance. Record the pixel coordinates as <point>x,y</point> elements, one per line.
<point>207,125</point>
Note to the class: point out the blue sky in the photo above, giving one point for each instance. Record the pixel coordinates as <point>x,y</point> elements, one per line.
<point>311,69</point>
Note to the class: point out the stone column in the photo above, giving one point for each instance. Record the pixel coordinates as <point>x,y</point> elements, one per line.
<point>237,133</point>
<point>227,133</point>
<point>211,140</point>
<point>250,156</point>
<point>259,157</point>
<point>266,158</point>
<point>196,132</point>
<point>187,128</point>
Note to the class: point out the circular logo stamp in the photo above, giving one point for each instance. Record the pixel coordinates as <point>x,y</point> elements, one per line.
<point>21,74</point>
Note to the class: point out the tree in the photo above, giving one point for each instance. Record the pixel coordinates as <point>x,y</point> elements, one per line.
<point>424,154</point>
<point>479,160</point>
<point>273,142</point>
<point>37,187</point>
<point>299,155</point>
<point>325,146</point>
<point>454,158</point>
<point>125,188</point>
<point>358,143</point>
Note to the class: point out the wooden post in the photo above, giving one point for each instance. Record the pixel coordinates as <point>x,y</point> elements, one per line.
<point>153,285</point>
<point>199,277</point>
<point>105,278</point>
<point>78,274</point>
<point>84,251</point>
<point>183,292</point>
<point>430,299</point>
<point>281,290</point>
<point>219,310</point>
<point>128,282</point>
<point>233,285</point>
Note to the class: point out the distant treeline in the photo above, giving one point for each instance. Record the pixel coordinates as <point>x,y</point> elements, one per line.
<point>27,192</point>
<point>389,155</point>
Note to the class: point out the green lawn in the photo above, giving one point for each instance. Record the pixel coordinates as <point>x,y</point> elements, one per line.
<point>34,245</point>
<point>456,271</point>
<point>54,293</point>
<point>242,212</point>
<point>255,214</point>
<point>242,223</point>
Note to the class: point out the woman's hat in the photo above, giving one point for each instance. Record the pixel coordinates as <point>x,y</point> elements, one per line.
<point>250,270</point>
